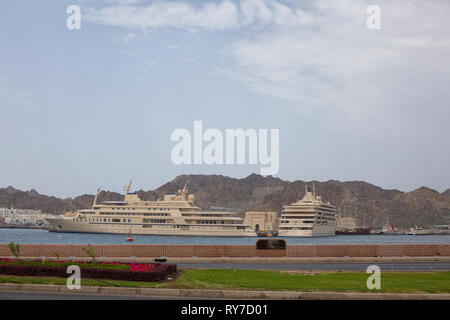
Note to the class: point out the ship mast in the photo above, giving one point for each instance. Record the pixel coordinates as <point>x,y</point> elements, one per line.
<point>95,198</point>
<point>127,188</point>
<point>184,191</point>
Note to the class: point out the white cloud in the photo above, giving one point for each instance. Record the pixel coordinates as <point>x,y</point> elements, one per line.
<point>127,53</point>
<point>128,37</point>
<point>222,15</point>
<point>22,100</point>
<point>320,55</point>
<point>122,2</point>
<point>210,15</point>
<point>391,81</point>
<point>255,10</point>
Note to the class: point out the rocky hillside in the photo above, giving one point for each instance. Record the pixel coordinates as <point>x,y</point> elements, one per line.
<point>446,193</point>
<point>368,203</point>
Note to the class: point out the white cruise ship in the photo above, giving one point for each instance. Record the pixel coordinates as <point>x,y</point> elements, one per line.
<point>176,214</point>
<point>308,217</point>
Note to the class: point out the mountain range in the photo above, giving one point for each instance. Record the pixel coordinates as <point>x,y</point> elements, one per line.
<point>369,204</point>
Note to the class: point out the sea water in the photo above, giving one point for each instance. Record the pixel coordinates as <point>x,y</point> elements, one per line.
<point>39,236</point>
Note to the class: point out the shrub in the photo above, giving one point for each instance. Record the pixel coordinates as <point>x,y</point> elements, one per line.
<point>15,249</point>
<point>90,252</point>
<point>271,244</point>
<point>159,273</point>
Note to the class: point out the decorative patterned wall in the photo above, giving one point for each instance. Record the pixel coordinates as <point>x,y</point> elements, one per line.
<point>64,250</point>
<point>421,250</point>
<point>209,251</point>
<point>363,250</point>
<point>270,253</point>
<point>332,250</point>
<point>444,250</point>
<point>301,251</point>
<point>232,251</point>
<point>142,250</point>
<point>391,250</point>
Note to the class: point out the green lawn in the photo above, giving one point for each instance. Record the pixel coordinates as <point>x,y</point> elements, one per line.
<point>84,282</point>
<point>431,282</point>
<point>411,282</point>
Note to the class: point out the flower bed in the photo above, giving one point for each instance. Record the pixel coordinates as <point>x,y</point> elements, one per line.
<point>51,263</point>
<point>104,270</point>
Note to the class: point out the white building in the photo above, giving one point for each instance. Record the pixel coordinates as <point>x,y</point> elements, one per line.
<point>6,212</point>
<point>262,221</point>
<point>20,216</point>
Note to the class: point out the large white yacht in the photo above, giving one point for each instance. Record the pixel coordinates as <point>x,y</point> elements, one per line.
<point>308,217</point>
<point>176,214</point>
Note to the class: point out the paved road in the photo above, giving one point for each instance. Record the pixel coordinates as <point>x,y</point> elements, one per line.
<point>331,266</point>
<point>22,295</point>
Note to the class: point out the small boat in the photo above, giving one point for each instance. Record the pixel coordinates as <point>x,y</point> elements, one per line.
<point>268,234</point>
<point>129,238</point>
<point>391,230</point>
<point>353,231</point>
<point>416,231</point>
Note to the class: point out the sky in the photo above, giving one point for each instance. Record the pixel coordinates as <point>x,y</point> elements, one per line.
<point>96,106</point>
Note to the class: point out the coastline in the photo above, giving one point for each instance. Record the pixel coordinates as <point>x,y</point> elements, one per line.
<point>7,226</point>
<point>43,236</point>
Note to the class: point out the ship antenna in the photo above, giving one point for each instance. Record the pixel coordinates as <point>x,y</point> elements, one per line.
<point>127,188</point>
<point>96,196</point>
<point>185,188</point>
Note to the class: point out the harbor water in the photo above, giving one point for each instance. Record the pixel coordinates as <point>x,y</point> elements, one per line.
<point>39,236</point>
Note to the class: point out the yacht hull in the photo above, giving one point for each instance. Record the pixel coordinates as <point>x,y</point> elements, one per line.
<point>317,231</point>
<point>69,225</point>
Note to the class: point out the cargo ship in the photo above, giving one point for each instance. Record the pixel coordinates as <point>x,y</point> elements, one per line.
<point>347,226</point>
